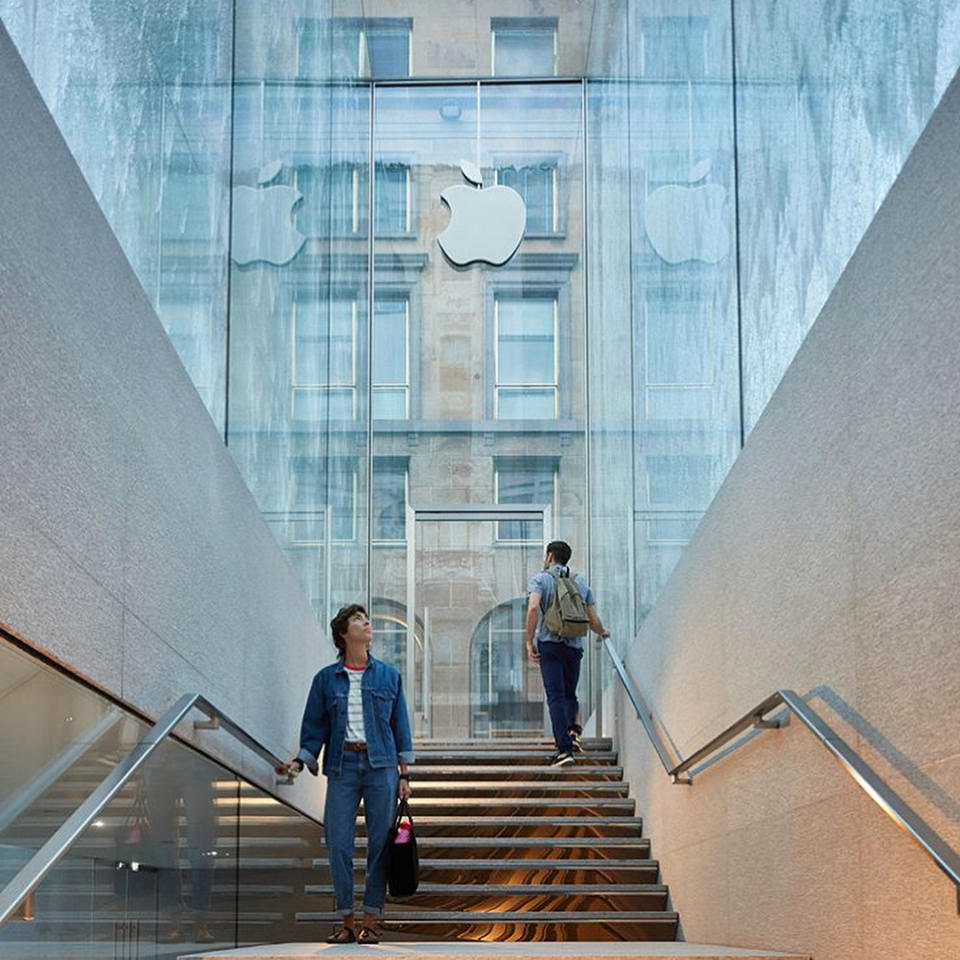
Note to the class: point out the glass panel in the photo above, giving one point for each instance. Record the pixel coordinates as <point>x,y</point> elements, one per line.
<point>56,737</point>
<point>494,364</point>
<point>186,857</point>
<point>299,394</point>
<point>679,340</point>
<point>470,595</point>
<point>281,868</point>
<point>673,47</point>
<point>154,875</point>
<point>680,403</point>
<point>664,321</point>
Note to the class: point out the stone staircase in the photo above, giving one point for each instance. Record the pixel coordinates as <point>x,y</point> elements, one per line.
<point>515,856</point>
<point>512,849</point>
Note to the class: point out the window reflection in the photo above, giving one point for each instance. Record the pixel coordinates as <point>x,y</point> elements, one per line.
<point>524,480</point>
<point>391,367</point>
<point>324,359</point>
<point>505,695</point>
<point>375,47</point>
<point>524,47</point>
<point>390,498</point>
<point>526,357</point>
<point>537,184</point>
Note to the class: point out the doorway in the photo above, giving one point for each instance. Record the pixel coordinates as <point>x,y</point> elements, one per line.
<point>468,569</point>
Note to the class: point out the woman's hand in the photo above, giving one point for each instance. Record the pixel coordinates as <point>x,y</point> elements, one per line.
<point>405,790</point>
<point>291,769</point>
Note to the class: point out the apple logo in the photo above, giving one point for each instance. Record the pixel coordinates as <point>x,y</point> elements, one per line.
<point>485,224</point>
<point>262,224</point>
<point>686,222</point>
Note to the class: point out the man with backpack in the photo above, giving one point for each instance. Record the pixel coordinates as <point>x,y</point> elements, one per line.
<point>560,611</point>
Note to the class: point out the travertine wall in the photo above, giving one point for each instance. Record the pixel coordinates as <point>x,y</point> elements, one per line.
<point>131,548</point>
<point>828,563</point>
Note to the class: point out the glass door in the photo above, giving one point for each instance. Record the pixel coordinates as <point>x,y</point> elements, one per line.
<point>467,600</point>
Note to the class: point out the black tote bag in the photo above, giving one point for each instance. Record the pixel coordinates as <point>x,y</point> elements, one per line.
<point>403,861</point>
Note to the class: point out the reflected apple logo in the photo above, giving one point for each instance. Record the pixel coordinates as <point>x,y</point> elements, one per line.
<point>686,222</point>
<point>263,227</point>
<point>486,224</point>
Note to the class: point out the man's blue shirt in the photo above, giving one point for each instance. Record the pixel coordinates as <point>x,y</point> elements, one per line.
<point>385,720</point>
<point>543,584</point>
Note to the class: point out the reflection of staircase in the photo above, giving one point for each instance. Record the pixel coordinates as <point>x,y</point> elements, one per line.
<point>512,849</point>
<point>261,866</point>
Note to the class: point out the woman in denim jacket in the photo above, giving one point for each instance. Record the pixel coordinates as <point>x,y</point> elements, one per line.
<point>357,713</point>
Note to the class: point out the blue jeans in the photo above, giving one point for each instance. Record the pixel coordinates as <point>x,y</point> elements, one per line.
<point>560,669</point>
<point>377,787</point>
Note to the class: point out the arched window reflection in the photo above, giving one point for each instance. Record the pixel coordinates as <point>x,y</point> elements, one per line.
<point>506,694</point>
<point>389,620</point>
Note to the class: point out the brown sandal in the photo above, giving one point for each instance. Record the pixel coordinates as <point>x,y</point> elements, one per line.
<point>368,935</point>
<point>343,935</point>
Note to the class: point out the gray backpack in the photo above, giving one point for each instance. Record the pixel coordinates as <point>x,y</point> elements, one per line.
<point>567,614</point>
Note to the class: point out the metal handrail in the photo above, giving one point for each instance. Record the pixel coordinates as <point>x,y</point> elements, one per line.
<point>905,817</point>
<point>32,874</point>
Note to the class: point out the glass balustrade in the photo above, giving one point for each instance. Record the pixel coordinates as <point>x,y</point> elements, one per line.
<point>187,855</point>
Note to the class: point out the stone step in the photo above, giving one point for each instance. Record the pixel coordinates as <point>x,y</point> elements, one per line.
<point>522,870</point>
<point>502,870</point>
<point>520,788</point>
<point>482,807</point>
<point>492,847</point>
<point>583,772</point>
<point>529,896</point>
<point>476,950</point>
<point>470,758</point>
<point>523,924</point>
<point>507,743</point>
<point>559,828</point>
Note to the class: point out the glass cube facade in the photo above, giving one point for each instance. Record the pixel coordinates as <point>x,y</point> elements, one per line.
<point>695,176</point>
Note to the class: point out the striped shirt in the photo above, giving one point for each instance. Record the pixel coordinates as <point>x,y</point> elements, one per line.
<point>355,729</point>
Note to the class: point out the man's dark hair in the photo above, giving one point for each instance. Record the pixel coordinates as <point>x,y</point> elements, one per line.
<point>340,623</point>
<point>561,551</point>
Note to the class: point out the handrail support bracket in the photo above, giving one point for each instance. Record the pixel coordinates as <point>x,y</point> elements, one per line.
<point>212,724</point>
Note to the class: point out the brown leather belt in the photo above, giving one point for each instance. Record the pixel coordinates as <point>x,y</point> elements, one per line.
<point>354,746</point>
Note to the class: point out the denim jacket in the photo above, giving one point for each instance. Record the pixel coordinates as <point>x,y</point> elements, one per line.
<point>385,721</point>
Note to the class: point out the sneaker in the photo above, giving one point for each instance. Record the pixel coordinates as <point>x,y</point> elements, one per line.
<point>575,740</point>
<point>562,758</point>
